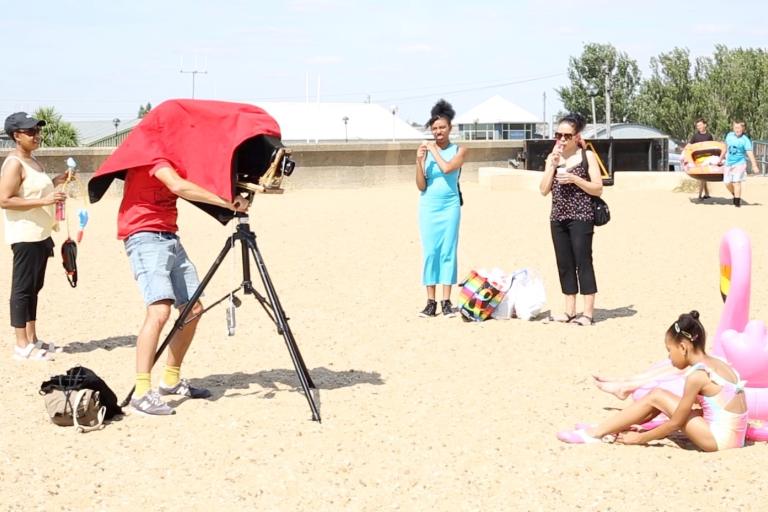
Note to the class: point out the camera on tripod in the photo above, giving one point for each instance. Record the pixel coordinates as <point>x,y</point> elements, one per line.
<point>227,149</point>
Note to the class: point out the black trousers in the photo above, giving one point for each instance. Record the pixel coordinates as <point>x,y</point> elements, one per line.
<point>29,262</point>
<point>573,251</point>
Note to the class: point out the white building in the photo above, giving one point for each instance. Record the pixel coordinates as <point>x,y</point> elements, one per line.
<point>338,122</point>
<point>299,122</point>
<point>496,119</point>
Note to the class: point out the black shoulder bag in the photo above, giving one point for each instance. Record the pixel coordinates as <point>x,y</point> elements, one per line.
<point>458,185</point>
<point>69,260</point>
<point>601,212</point>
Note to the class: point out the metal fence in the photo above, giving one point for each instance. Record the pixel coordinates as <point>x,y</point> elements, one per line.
<point>760,148</point>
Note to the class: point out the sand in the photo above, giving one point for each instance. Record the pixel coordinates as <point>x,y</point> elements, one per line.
<point>418,414</point>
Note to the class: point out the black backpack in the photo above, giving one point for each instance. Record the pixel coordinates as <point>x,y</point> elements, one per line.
<point>80,377</point>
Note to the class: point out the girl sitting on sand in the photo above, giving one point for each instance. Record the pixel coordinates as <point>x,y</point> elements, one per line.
<point>721,422</point>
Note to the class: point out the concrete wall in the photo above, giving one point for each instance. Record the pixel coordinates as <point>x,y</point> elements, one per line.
<point>492,178</point>
<point>326,165</point>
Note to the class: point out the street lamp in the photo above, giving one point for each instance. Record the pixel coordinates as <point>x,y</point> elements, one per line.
<point>116,122</point>
<point>393,109</point>
<point>592,92</point>
<point>608,119</point>
<point>346,120</point>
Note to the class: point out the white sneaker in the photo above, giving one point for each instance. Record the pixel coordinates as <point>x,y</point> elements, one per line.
<point>31,353</point>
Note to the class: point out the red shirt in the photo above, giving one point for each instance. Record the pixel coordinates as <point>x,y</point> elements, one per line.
<point>147,203</point>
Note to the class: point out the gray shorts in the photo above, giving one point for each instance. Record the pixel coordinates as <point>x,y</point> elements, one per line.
<point>161,267</point>
<point>735,173</point>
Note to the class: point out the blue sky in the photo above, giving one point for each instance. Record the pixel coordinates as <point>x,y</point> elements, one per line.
<point>98,60</point>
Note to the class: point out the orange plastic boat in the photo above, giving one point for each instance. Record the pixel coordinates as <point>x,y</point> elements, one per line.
<point>700,160</point>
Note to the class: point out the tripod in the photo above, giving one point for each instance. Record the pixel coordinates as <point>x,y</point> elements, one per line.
<point>271,305</point>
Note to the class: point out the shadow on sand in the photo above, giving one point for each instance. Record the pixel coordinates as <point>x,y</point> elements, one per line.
<point>607,314</point>
<point>324,379</point>
<point>600,314</point>
<point>720,201</point>
<point>110,343</point>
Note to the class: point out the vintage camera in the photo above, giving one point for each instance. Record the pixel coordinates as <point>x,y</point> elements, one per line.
<point>260,163</point>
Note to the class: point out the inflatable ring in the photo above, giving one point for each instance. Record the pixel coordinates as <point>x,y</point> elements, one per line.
<point>703,158</point>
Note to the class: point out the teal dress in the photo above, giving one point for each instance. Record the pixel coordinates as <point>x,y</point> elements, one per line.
<point>439,217</point>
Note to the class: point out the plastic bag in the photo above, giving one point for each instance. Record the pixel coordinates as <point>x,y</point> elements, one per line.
<point>527,294</point>
<point>506,308</point>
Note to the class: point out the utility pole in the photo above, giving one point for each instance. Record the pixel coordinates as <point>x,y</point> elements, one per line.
<point>544,111</point>
<point>194,73</point>
<point>608,104</point>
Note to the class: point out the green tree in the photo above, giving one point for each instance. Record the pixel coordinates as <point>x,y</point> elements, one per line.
<point>587,75</point>
<point>144,110</point>
<point>56,132</point>
<point>676,94</point>
<point>737,87</point>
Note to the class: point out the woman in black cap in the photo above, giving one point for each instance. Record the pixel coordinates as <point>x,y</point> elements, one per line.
<point>27,196</point>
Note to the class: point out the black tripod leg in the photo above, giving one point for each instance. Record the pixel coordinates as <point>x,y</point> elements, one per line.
<point>282,324</point>
<point>179,324</point>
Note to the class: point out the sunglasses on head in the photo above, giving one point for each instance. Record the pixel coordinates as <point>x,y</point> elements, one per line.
<point>565,136</point>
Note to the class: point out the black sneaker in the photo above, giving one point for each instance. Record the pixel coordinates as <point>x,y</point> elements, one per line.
<point>447,308</point>
<point>430,310</point>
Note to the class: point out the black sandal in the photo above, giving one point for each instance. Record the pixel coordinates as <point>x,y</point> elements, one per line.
<point>565,319</point>
<point>577,320</point>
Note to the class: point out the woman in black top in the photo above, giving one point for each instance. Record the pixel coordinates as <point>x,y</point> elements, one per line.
<point>572,175</point>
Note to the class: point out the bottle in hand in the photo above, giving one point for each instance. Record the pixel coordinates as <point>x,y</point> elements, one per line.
<point>59,210</point>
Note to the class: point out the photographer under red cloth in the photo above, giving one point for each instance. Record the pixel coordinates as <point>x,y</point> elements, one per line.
<point>182,148</point>
<point>197,137</point>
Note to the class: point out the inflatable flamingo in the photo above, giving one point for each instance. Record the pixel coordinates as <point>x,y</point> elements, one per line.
<point>738,340</point>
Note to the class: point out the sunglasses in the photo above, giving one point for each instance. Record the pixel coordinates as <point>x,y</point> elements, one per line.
<point>31,131</point>
<point>565,136</point>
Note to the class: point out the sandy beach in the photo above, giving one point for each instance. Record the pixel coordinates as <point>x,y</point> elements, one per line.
<point>418,414</point>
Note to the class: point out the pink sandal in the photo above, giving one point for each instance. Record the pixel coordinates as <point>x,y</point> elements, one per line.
<point>578,436</point>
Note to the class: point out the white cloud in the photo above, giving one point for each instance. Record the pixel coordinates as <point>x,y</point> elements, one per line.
<point>306,6</point>
<point>416,48</point>
<point>712,28</point>
<point>325,59</point>
<point>756,32</point>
